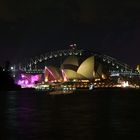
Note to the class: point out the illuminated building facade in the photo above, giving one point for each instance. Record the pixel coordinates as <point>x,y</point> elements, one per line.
<point>138,68</point>
<point>28,80</point>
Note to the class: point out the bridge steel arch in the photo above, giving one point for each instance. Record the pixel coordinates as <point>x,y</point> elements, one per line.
<point>33,62</point>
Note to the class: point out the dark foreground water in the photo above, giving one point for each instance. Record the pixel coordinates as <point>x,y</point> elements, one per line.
<point>97,115</point>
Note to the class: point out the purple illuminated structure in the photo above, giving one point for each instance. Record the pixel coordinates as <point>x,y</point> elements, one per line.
<point>28,80</point>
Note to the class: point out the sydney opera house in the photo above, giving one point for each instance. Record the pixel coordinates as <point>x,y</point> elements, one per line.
<point>74,69</point>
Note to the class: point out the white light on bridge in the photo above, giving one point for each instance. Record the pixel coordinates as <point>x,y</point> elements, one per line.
<point>12,68</point>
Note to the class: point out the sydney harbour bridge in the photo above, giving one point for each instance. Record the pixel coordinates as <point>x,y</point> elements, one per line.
<point>37,64</point>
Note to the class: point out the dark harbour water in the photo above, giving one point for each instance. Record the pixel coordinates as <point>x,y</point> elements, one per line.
<point>96,115</point>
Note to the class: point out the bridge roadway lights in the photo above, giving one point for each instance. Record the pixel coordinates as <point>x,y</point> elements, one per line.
<point>35,71</point>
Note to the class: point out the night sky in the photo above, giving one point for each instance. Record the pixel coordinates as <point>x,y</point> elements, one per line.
<point>30,27</point>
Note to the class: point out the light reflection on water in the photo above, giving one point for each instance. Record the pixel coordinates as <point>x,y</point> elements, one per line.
<point>95,115</point>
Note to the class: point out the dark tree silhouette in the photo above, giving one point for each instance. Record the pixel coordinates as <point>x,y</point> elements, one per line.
<point>6,81</point>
